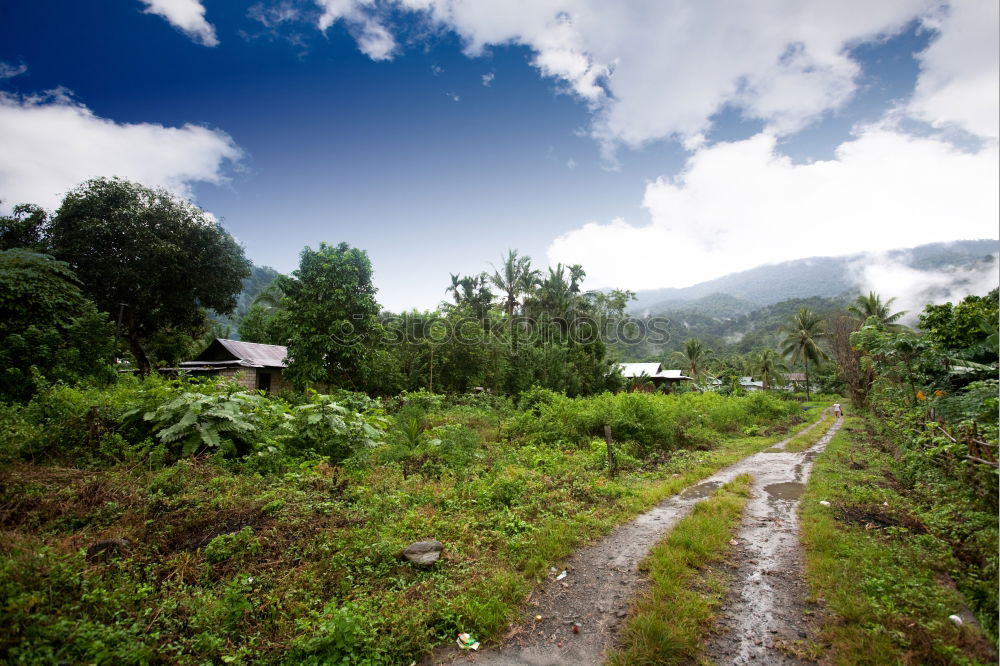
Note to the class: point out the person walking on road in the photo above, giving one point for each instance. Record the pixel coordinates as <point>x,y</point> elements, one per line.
<point>837,411</point>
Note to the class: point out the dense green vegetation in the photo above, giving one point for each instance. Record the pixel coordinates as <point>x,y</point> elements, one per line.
<point>188,521</point>
<point>145,518</point>
<point>913,491</point>
<point>886,555</point>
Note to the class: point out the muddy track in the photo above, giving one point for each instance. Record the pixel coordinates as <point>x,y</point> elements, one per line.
<point>603,577</point>
<point>765,614</point>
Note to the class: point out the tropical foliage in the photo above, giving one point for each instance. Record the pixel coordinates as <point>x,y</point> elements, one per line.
<point>191,521</point>
<point>49,331</point>
<point>801,342</point>
<point>148,258</point>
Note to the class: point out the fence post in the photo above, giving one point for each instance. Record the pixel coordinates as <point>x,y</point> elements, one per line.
<point>612,463</point>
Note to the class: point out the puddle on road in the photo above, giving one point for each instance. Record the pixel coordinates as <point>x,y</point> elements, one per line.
<point>785,491</point>
<point>701,490</point>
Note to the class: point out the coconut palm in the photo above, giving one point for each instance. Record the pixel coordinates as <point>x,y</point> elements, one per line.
<point>269,297</point>
<point>456,287</point>
<point>801,340</point>
<point>767,365</point>
<point>872,306</point>
<point>576,275</point>
<point>693,358</point>
<point>514,278</point>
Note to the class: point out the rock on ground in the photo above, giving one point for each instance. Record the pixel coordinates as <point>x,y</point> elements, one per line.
<point>423,552</point>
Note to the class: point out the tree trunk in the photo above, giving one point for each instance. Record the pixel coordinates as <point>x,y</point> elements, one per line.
<point>430,388</point>
<point>141,360</point>
<point>807,378</point>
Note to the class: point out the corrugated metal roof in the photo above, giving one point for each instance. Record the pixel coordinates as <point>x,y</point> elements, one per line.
<point>246,354</point>
<point>672,374</point>
<point>630,370</point>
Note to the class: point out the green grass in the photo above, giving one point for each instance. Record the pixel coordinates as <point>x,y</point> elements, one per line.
<point>301,565</point>
<point>881,571</point>
<point>668,624</point>
<point>805,440</point>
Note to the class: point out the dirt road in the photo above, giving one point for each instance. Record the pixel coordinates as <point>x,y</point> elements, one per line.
<point>602,578</point>
<point>764,615</point>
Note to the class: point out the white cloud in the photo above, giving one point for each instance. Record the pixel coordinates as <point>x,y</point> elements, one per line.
<point>662,70</point>
<point>273,16</point>
<point>488,79</point>
<point>913,288</point>
<point>738,205</point>
<point>8,71</point>
<point>52,143</point>
<point>959,82</point>
<point>453,96</point>
<point>655,70</point>
<point>188,16</point>
<point>361,17</point>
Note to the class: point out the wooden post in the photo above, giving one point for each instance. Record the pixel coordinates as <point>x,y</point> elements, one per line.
<point>612,464</point>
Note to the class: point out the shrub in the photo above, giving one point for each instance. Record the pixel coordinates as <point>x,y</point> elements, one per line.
<point>198,422</point>
<point>326,428</point>
<point>339,637</point>
<point>651,422</point>
<point>227,546</point>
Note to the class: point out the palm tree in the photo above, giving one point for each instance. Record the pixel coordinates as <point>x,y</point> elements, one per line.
<point>269,297</point>
<point>800,343</point>
<point>456,287</point>
<point>767,365</point>
<point>576,275</point>
<point>693,358</point>
<point>872,306</point>
<point>514,278</point>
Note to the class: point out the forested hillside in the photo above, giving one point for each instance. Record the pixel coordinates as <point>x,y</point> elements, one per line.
<point>828,277</point>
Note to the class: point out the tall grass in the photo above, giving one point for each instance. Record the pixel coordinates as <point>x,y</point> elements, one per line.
<point>650,422</point>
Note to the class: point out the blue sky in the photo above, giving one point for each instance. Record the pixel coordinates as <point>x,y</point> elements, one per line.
<point>658,144</point>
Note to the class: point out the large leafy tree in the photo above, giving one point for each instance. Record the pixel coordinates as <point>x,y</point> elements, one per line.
<point>48,329</point>
<point>334,332</point>
<point>962,326</point>
<point>147,256</point>
<point>24,228</point>
<point>801,341</point>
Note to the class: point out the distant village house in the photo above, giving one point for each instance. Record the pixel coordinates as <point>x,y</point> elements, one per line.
<point>653,373</point>
<point>796,381</point>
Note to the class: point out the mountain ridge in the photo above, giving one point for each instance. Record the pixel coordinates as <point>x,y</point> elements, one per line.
<point>827,277</point>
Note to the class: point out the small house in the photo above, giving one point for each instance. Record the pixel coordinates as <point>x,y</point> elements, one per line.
<point>254,365</point>
<point>654,373</point>
<point>796,381</point>
<point>745,383</point>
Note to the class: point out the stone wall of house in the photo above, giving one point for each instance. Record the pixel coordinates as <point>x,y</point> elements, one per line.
<point>278,381</point>
<point>245,377</point>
